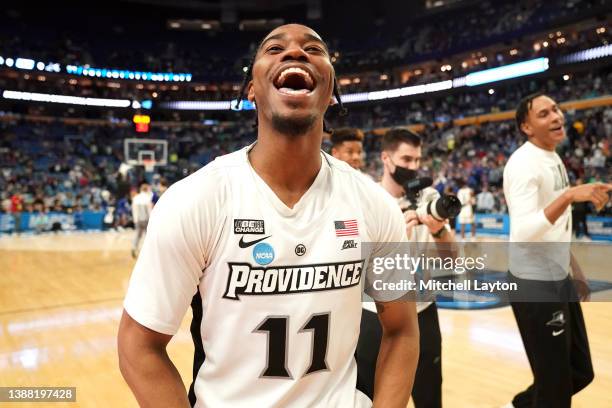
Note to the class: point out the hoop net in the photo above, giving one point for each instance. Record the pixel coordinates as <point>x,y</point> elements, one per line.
<point>149,165</point>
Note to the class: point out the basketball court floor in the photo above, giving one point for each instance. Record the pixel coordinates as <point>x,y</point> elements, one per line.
<point>60,305</point>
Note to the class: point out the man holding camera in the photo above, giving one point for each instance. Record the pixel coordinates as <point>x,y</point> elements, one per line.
<point>401,157</point>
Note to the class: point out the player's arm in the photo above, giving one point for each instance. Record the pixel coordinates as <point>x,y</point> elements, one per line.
<point>398,354</point>
<point>162,285</point>
<point>596,193</point>
<point>521,187</point>
<point>399,347</point>
<point>146,367</point>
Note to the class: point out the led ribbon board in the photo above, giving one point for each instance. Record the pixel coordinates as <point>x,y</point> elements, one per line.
<point>534,66</point>
<point>125,74</point>
<point>587,55</point>
<point>71,100</point>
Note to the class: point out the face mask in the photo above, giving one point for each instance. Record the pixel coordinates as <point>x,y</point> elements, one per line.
<point>402,175</point>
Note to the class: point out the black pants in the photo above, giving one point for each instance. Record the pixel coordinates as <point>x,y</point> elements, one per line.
<point>579,222</point>
<point>427,389</point>
<point>556,343</point>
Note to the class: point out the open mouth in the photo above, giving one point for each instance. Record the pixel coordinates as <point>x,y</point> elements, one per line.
<point>294,81</point>
<point>556,129</point>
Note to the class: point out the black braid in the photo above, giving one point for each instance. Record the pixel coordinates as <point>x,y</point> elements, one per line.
<point>245,81</point>
<point>343,110</point>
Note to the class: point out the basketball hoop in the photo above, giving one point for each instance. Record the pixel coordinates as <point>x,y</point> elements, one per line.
<point>149,165</point>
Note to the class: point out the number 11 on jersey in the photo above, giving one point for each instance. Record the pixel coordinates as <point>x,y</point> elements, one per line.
<point>276,328</point>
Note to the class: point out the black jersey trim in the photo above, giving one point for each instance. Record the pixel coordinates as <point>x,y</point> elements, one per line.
<point>198,354</point>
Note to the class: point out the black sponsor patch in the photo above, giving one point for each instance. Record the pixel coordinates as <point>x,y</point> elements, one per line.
<point>242,226</point>
<point>349,244</point>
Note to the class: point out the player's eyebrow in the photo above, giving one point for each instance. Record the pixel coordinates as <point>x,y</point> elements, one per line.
<point>280,36</point>
<point>310,37</point>
<point>283,36</point>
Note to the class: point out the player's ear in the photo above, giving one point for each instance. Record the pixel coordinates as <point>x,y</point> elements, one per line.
<point>250,92</point>
<point>384,156</point>
<point>526,128</point>
<point>332,98</point>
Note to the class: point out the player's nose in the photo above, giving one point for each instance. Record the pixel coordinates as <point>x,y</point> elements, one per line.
<point>558,116</point>
<point>294,52</point>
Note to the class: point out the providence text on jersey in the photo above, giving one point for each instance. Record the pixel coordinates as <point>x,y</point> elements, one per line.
<point>246,279</point>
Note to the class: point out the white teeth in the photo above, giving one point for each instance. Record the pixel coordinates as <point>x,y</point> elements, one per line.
<point>290,91</point>
<point>297,71</point>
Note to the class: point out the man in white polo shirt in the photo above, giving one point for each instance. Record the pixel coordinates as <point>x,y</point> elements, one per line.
<point>546,308</point>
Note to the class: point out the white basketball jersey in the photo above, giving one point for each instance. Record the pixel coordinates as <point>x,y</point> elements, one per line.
<point>277,302</point>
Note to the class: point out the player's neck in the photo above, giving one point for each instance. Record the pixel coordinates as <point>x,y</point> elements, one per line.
<point>391,186</point>
<point>550,147</point>
<point>288,164</point>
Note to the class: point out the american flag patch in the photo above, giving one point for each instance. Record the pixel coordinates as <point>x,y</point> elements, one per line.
<point>346,228</point>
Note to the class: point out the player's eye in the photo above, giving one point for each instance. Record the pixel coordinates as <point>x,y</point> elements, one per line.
<point>274,48</point>
<point>313,48</point>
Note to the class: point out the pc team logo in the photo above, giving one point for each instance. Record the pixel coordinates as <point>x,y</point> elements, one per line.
<point>263,253</point>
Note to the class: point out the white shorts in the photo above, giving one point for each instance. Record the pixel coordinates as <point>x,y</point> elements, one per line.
<point>466,216</point>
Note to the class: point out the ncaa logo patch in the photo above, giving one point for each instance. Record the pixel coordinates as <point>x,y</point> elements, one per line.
<point>263,253</point>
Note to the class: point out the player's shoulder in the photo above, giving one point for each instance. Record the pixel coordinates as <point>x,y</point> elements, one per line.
<point>348,176</point>
<point>208,185</point>
<point>524,152</point>
<point>366,191</point>
<point>520,159</point>
<point>232,160</point>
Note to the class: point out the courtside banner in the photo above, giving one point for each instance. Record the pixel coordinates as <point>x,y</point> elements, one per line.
<point>600,228</point>
<point>488,224</point>
<point>486,274</point>
<point>41,222</point>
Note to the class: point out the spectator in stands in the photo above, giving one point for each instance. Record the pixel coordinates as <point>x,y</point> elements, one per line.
<point>16,209</point>
<point>485,202</point>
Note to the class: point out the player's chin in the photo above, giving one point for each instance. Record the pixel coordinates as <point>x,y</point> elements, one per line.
<point>558,134</point>
<point>296,115</point>
<point>288,106</point>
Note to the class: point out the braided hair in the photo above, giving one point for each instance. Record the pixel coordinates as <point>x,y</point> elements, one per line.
<point>248,75</point>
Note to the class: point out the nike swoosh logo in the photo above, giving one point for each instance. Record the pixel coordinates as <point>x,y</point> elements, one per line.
<point>556,333</point>
<point>243,244</point>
